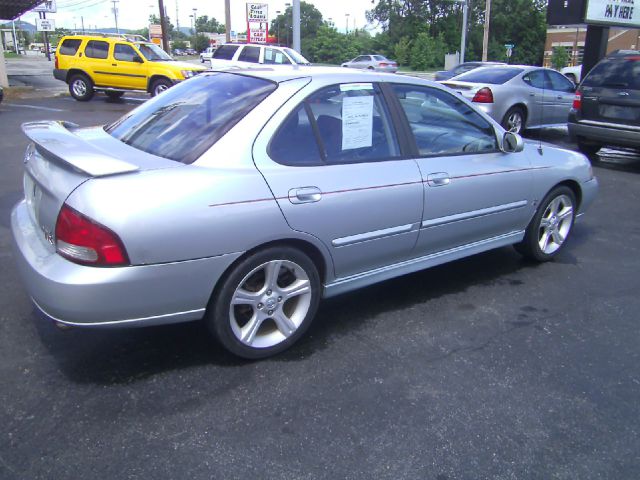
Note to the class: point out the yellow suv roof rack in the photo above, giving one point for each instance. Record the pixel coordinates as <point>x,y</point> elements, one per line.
<point>131,37</point>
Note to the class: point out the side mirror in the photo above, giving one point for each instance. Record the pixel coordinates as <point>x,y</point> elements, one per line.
<point>512,143</point>
<point>137,59</point>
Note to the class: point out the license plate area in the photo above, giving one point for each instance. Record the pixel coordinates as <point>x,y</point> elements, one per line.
<point>620,112</point>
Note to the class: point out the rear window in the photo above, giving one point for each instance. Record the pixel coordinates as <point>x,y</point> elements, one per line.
<point>615,73</point>
<point>186,120</point>
<point>490,75</point>
<point>96,49</point>
<point>69,46</point>
<point>225,52</point>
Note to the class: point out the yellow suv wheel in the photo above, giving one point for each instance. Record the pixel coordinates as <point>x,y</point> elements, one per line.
<point>81,87</point>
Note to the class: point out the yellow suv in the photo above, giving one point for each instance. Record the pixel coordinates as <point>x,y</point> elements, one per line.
<point>116,63</point>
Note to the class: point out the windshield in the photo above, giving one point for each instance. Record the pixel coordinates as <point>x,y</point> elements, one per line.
<point>186,120</point>
<point>153,53</point>
<point>490,75</point>
<point>299,59</point>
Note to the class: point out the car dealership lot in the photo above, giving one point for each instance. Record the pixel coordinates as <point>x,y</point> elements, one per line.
<point>490,367</point>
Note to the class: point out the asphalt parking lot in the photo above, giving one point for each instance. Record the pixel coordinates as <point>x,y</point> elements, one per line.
<point>487,368</point>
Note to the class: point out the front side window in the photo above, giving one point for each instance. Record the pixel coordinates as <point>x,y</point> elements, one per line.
<point>97,49</point>
<point>153,53</point>
<point>186,120</point>
<point>69,46</point>
<point>124,52</point>
<point>275,57</point>
<point>560,83</point>
<point>443,124</point>
<point>350,122</point>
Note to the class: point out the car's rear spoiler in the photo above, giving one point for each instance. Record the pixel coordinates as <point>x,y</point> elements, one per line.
<point>56,140</point>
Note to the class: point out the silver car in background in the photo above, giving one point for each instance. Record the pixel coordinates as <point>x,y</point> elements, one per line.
<point>243,198</point>
<point>519,97</point>
<point>379,63</point>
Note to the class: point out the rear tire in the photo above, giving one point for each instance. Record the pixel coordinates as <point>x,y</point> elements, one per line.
<point>81,87</point>
<point>550,227</point>
<point>265,303</point>
<point>514,120</point>
<point>160,85</point>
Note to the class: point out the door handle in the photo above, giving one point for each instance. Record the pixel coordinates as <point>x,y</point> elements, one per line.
<point>305,195</point>
<point>559,97</point>
<point>114,64</point>
<point>439,179</point>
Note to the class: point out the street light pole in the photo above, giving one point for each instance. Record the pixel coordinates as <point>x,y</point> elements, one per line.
<point>115,13</point>
<point>463,40</point>
<point>296,25</point>
<point>346,17</point>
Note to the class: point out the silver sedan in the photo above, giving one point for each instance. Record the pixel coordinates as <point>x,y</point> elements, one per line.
<point>244,198</point>
<point>519,97</point>
<point>379,63</point>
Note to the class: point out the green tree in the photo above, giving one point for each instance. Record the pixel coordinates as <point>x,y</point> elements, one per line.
<point>199,42</point>
<point>559,58</point>
<point>310,23</point>
<point>210,25</point>
<point>427,52</point>
<point>402,51</point>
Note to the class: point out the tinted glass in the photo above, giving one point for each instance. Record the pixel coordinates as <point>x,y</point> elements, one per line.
<point>442,123</point>
<point>69,46</point>
<point>490,75</point>
<point>250,54</point>
<point>297,58</point>
<point>559,82</point>
<point>615,73</point>
<point>294,143</point>
<point>536,79</point>
<point>380,58</point>
<point>225,52</point>
<point>96,49</point>
<point>183,122</point>
<point>275,57</point>
<point>353,124</point>
<point>124,53</point>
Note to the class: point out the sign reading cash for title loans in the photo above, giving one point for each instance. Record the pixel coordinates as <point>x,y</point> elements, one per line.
<point>613,12</point>
<point>257,22</point>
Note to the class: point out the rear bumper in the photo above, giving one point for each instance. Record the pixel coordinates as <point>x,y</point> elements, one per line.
<point>60,74</point>
<point>603,133</point>
<point>104,297</point>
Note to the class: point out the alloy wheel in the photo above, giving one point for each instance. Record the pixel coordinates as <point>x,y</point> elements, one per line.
<point>555,224</point>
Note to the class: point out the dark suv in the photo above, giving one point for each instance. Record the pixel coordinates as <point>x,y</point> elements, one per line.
<point>606,109</point>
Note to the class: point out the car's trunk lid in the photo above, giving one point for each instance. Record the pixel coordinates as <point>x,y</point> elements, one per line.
<point>62,157</point>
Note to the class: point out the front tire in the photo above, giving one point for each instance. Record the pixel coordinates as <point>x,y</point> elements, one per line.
<point>266,303</point>
<point>160,85</point>
<point>550,227</point>
<point>514,120</point>
<point>81,87</point>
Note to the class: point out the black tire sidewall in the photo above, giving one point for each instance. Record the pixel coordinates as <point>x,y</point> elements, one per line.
<point>86,97</point>
<point>156,83</point>
<point>530,246</point>
<point>217,317</point>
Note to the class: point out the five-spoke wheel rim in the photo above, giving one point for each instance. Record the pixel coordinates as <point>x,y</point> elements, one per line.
<point>79,87</point>
<point>270,303</point>
<point>555,224</point>
<point>514,122</point>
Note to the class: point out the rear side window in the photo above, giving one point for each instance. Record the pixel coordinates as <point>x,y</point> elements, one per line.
<point>124,52</point>
<point>250,54</point>
<point>96,49</point>
<point>492,76</point>
<point>69,46</point>
<point>615,73</point>
<point>186,120</point>
<point>225,52</point>
<point>346,123</point>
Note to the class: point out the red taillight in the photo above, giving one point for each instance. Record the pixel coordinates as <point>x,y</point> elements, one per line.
<point>577,101</point>
<point>383,64</point>
<point>81,240</point>
<point>484,95</point>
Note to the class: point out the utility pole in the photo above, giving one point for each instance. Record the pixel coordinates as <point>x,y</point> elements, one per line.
<point>82,21</point>
<point>463,41</point>
<point>163,27</point>
<point>485,39</point>
<point>177,18</point>
<point>115,13</point>
<point>227,20</point>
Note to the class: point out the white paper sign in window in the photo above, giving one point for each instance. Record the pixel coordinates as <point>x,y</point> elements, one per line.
<point>357,122</point>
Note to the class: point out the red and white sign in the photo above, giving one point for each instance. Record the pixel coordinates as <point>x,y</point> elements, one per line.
<point>257,22</point>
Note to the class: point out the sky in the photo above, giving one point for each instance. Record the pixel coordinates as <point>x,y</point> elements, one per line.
<point>134,14</point>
